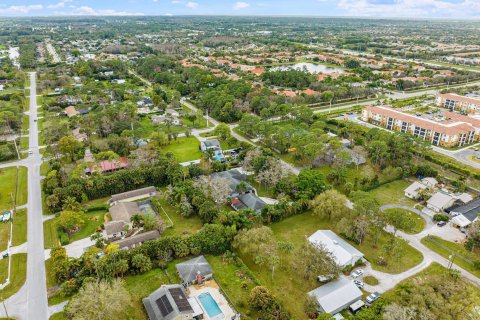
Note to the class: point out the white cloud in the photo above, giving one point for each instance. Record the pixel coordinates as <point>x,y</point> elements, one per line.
<point>89,11</point>
<point>240,5</point>
<point>411,8</point>
<point>58,5</point>
<point>176,1</point>
<point>192,5</point>
<point>14,10</point>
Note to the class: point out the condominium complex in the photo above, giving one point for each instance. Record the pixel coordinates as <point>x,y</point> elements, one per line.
<point>449,130</point>
<point>455,102</point>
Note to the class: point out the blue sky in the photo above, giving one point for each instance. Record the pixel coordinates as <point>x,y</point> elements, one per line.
<point>365,8</point>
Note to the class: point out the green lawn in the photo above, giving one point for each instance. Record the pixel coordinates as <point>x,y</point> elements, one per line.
<point>22,190</point>
<point>393,193</point>
<point>17,275</point>
<point>306,224</point>
<point>184,149</point>
<point>181,225</point>
<point>25,124</point>
<point>58,316</point>
<point>8,178</point>
<point>44,168</point>
<point>419,221</point>
<point>93,219</point>
<point>19,227</point>
<point>24,143</point>
<point>4,235</point>
<point>236,281</point>
<point>50,234</point>
<point>142,285</point>
<point>446,248</point>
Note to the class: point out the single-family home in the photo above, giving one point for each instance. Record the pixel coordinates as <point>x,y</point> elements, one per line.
<point>70,111</point>
<point>336,296</point>
<point>106,166</point>
<point>247,201</point>
<point>195,270</point>
<point>440,201</point>
<point>137,240</point>
<point>170,302</point>
<point>430,182</point>
<point>413,190</point>
<point>343,253</point>
<point>133,195</point>
<point>466,214</point>
<point>209,144</point>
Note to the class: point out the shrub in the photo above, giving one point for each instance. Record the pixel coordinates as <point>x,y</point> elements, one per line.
<point>440,217</point>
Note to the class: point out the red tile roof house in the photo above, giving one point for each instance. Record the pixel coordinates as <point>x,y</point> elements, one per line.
<point>107,166</point>
<point>458,131</point>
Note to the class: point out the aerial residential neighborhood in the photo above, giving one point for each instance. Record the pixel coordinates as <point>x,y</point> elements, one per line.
<point>167,160</point>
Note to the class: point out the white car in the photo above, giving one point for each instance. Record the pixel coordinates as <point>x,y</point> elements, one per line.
<point>359,284</point>
<point>357,273</point>
<point>373,297</point>
<point>30,152</point>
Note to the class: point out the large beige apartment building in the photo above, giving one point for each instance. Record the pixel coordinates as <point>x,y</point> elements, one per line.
<point>453,130</point>
<point>456,102</point>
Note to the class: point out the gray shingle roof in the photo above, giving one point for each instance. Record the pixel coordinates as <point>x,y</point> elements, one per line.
<point>470,209</point>
<point>137,239</point>
<point>188,269</point>
<point>134,193</point>
<point>211,143</point>
<point>251,201</point>
<point>234,178</point>
<point>167,302</point>
<point>123,211</point>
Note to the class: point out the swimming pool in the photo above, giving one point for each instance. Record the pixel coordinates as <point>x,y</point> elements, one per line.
<point>210,305</point>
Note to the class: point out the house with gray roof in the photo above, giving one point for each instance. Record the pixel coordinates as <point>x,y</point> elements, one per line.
<point>247,201</point>
<point>466,214</point>
<point>134,195</point>
<point>209,144</point>
<point>235,178</point>
<point>343,253</point>
<point>170,302</point>
<point>336,296</point>
<point>190,269</point>
<point>137,240</point>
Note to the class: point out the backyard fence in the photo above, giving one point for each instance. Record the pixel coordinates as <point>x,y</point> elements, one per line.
<point>453,252</point>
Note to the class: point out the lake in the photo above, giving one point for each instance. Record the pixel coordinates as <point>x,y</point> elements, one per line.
<point>311,68</point>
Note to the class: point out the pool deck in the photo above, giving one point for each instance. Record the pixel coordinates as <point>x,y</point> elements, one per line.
<point>212,287</point>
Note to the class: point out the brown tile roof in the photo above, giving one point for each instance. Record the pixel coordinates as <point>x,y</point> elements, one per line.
<point>457,97</point>
<point>449,128</point>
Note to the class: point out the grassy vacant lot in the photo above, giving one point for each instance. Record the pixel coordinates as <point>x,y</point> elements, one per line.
<point>8,178</point>
<point>236,280</point>
<point>446,248</point>
<point>184,149</point>
<point>419,221</point>
<point>93,219</point>
<point>17,275</point>
<point>19,227</point>
<point>393,193</point>
<point>58,316</point>
<point>306,224</point>
<point>181,225</point>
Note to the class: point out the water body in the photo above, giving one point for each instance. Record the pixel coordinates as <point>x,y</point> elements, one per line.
<point>310,67</point>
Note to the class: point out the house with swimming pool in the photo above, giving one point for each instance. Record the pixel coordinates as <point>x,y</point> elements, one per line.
<point>198,297</point>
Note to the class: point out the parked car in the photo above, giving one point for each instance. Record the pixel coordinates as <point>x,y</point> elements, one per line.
<point>359,284</point>
<point>5,255</point>
<point>326,278</point>
<point>441,223</point>
<point>30,152</point>
<point>373,297</point>
<point>357,273</point>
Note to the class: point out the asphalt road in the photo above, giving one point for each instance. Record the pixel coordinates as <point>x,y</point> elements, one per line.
<point>37,305</point>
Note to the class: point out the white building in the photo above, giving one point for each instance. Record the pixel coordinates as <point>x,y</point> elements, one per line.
<point>440,201</point>
<point>335,296</point>
<point>413,190</point>
<point>343,252</point>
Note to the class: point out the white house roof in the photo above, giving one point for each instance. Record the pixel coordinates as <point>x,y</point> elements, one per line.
<point>429,181</point>
<point>464,197</point>
<point>461,221</point>
<point>440,200</point>
<point>334,295</point>
<point>341,250</point>
<point>415,187</point>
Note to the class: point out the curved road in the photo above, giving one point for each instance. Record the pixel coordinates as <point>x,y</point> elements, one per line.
<point>388,281</point>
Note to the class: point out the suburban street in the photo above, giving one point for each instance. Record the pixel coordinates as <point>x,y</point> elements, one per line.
<point>30,302</point>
